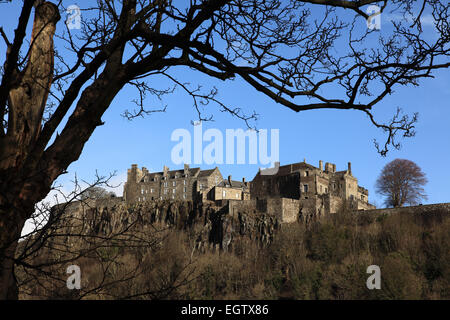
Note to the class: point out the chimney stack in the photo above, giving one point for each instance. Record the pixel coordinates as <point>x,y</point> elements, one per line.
<point>186,168</point>
<point>349,170</point>
<point>330,167</point>
<point>229,179</point>
<point>321,165</point>
<point>243,180</point>
<point>165,171</point>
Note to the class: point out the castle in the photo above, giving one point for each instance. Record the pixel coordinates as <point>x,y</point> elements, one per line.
<point>318,188</point>
<point>191,184</point>
<point>293,190</point>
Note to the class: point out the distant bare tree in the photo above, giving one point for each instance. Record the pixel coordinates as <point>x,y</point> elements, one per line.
<point>304,55</point>
<point>401,181</point>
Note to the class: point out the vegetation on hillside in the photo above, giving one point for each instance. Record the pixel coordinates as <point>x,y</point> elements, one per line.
<point>325,259</point>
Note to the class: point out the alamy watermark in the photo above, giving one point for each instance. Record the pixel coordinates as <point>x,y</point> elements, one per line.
<point>220,150</point>
<point>74,17</point>
<point>74,280</point>
<point>374,281</point>
<point>374,19</point>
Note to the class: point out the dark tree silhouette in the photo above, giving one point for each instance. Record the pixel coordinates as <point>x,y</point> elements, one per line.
<point>401,181</point>
<point>284,49</point>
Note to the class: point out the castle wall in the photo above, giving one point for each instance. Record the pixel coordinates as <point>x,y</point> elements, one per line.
<point>284,209</point>
<point>226,193</point>
<point>363,205</point>
<point>286,186</point>
<point>335,203</point>
<point>206,184</point>
<point>429,208</point>
<point>290,210</point>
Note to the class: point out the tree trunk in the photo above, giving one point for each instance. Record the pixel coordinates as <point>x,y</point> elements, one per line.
<point>10,230</point>
<point>27,98</point>
<point>8,284</point>
<point>28,169</point>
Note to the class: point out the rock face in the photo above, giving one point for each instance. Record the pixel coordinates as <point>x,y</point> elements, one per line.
<point>212,226</point>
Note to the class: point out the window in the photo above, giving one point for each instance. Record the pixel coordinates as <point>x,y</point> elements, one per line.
<point>174,183</point>
<point>151,190</point>
<point>165,184</point>
<point>173,190</point>
<point>326,190</point>
<point>305,188</point>
<point>184,189</point>
<point>224,193</point>
<point>184,182</point>
<point>143,199</point>
<point>237,195</point>
<point>184,196</point>
<point>306,173</point>
<point>165,191</point>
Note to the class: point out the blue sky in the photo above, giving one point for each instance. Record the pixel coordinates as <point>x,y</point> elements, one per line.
<point>328,135</point>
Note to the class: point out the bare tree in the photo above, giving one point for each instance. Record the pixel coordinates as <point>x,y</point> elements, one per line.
<point>401,181</point>
<point>283,49</point>
<point>116,247</point>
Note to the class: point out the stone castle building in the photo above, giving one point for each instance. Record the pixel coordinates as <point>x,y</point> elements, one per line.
<point>185,184</point>
<point>318,189</point>
<point>302,188</point>
<point>231,190</point>
<point>191,184</point>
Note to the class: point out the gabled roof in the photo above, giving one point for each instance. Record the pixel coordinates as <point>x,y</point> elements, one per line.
<point>171,173</point>
<point>291,168</point>
<point>234,184</point>
<point>206,173</point>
